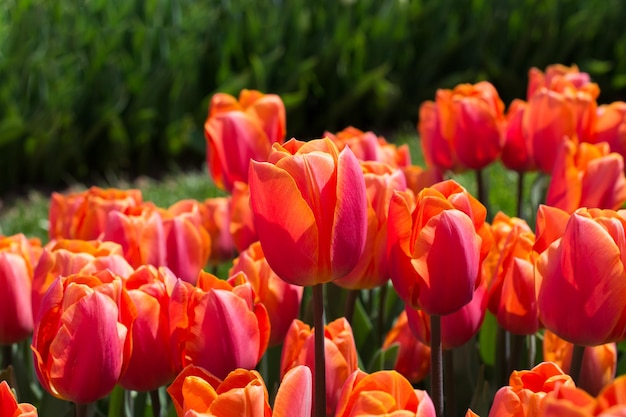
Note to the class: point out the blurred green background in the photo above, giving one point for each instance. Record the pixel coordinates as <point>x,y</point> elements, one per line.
<point>91,88</point>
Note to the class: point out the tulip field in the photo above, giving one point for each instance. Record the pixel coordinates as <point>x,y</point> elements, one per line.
<point>474,266</point>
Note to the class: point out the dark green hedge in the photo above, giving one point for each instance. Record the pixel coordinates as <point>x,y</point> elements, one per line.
<point>94,87</point>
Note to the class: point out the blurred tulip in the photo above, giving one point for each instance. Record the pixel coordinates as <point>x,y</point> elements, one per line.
<point>340,352</point>
<point>383,393</point>
<point>371,270</point>
<point>435,250</point>
<point>82,341</point>
<point>463,128</point>
<point>9,406</point>
<point>83,215</point>
<point>586,175</point>
<point>316,231</point>
<point>18,257</point>
<point>527,390</point>
<point>71,256</point>
<point>418,178</point>
<point>517,152</point>
<point>240,131</point>
<point>215,310</point>
<point>281,299</point>
<point>456,328</point>
<point>151,364</point>
<point>217,224</point>
<point>580,277</point>
<point>610,126</point>
<point>242,227</point>
<point>413,360</point>
<point>599,362</point>
<point>558,77</point>
<point>612,398</point>
<point>569,402</point>
<point>511,295</point>
<point>366,146</point>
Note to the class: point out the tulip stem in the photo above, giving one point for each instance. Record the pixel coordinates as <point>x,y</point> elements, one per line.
<point>350,304</point>
<point>501,357</point>
<point>577,362</point>
<point>155,399</point>
<point>520,194</point>
<point>532,350</point>
<point>517,342</point>
<point>81,409</point>
<point>481,189</point>
<point>382,305</point>
<point>448,369</point>
<point>320,360</point>
<point>7,356</point>
<point>436,370</point>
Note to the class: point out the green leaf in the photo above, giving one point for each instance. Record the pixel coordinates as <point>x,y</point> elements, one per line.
<point>384,358</point>
<point>487,339</point>
<point>361,325</point>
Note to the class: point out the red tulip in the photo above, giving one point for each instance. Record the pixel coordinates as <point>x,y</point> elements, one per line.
<point>559,77</point>
<point>82,341</point>
<point>581,279</point>
<point>413,356</point>
<point>436,249</point>
<point>463,128</point>
<point>517,153</point>
<point>151,364</point>
<point>315,232</point>
<point>599,362</point>
<point>383,393</point>
<point>18,256</point>
<point>340,353</point>
<point>83,215</point>
<point>217,224</point>
<point>610,126</point>
<point>550,226</point>
<point>9,406</point>
<point>242,227</point>
<point>69,256</point>
<point>240,131</point>
<point>281,299</point>
<point>587,175</point>
<point>216,310</point>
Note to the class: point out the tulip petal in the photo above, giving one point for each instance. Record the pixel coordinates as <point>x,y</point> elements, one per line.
<point>294,397</point>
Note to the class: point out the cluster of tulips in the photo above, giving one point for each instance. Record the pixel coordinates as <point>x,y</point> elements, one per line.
<point>119,296</point>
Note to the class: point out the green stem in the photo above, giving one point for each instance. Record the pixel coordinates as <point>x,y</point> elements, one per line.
<point>520,193</point>
<point>448,370</point>
<point>577,362</point>
<point>532,350</point>
<point>350,304</point>
<point>7,356</point>
<point>501,357</point>
<point>481,189</point>
<point>156,403</point>
<point>81,409</point>
<point>436,367</point>
<point>320,360</point>
<point>517,343</point>
<point>382,305</point>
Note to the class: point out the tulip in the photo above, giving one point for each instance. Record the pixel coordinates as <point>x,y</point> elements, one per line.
<point>241,227</point>
<point>282,300</point>
<point>437,246</point>
<point>581,279</point>
<point>82,342</point>
<point>612,397</point>
<point>316,231</point>
<point>463,128</point>
<point>340,352</point>
<point>587,175</point>
<point>512,296</point>
<point>217,224</point>
<point>69,256</point>
<point>550,226</point>
<point>372,271</point>
<point>240,131</point>
<point>9,406</point>
<point>610,126</point>
<point>83,215</point>
<point>527,390</point>
<point>413,360</point>
<point>383,393</point>
<point>599,362</point>
<point>151,364</point>
<point>517,153</point>
<point>418,178</point>
<point>217,310</point>
<point>18,256</point>
<point>196,392</point>
<point>366,146</point>
<point>559,77</point>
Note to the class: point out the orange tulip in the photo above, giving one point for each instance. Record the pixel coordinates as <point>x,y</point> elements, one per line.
<point>82,341</point>
<point>340,352</point>
<point>83,215</point>
<point>418,178</point>
<point>550,226</point>
<point>240,131</point>
<point>527,390</point>
<point>366,146</point>
<point>436,249</point>
<point>151,364</point>
<point>383,393</point>
<point>610,126</point>
<point>599,362</point>
<point>281,299</point>
<point>217,310</point>
<point>196,392</point>
<point>512,297</point>
<point>612,398</point>
<point>217,224</point>
<point>316,231</point>
<point>69,256</point>
<point>587,175</point>
<point>18,257</point>
<point>463,128</point>
<point>372,271</point>
<point>413,360</point>
<point>581,279</point>
<point>242,227</point>
<point>9,406</point>
<point>558,77</point>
